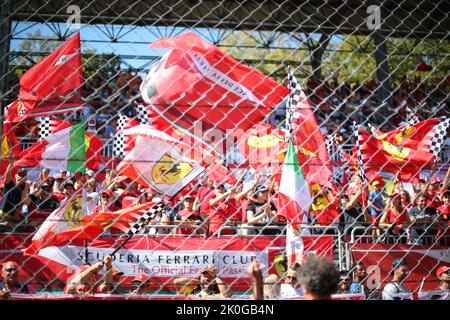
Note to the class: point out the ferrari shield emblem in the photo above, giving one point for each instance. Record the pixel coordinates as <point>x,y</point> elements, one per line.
<point>168,171</point>
<point>73,213</point>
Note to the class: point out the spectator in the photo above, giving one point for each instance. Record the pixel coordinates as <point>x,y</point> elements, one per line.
<point>272,287</point>
<point>69,190</point>
<point>400,272</point>
<point>140,285</point>
<point>204,194</point>
<point>43,199</point>
<point>207,284</point>
<point>106,202</point>
<point>87,278</point>
<point>359,280</point>
<point>9,284</point>
<point>396,218</point>
<point>114,286</point>
<point>376,206</point>
<point>345,280</point>
<point>318,278</point>
<point>422,218</point>
<point>92,194</point>
<point>261,211</point>
<point>188,217</point>
<point>443,234</point>
<point>292,286</point>
<point>443,274</point>
<point>222,208</point>
<point>13,195</point>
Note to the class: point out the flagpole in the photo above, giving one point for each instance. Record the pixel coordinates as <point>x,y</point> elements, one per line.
<point>130,235</point>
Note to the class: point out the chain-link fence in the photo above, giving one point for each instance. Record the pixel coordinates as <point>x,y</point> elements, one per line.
<point>159,132</point>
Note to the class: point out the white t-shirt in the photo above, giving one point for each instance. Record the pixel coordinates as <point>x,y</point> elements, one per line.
<point>287,291</point>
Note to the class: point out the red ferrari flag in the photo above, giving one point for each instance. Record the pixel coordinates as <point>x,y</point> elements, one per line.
<point>379,153</point>
<point>417,136</point>
<point>51,86</point>
<point>306,135</point>
<point>263,146</point>
<point>196,86</point>
<point>10,147</point>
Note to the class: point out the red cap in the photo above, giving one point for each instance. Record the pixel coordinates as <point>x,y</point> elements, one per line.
<point>441,270</point>
<point>108,192</point>
<point>141,278</point>
<point>116,272</point>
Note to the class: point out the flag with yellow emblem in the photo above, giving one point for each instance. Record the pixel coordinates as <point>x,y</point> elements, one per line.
<point>157,160</point>
<point>54,230</point>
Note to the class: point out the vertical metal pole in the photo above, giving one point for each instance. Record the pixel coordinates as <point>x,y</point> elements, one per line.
<point>5,37</point>
<point>381,58</point>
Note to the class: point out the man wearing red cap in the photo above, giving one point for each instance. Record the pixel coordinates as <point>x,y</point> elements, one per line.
<point>443,274</point>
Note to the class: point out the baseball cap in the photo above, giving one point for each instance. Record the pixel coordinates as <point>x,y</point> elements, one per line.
<point>68,182</point>
<point>188,196</point>
<point>22,171</point>
<point>141,278</point>
<point>261,188</point>
<point>90,173</point>
<point>376,182</point>
<point>116,272</point>
<point>441,270</point>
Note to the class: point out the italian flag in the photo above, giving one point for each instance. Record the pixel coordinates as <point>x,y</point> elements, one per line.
<point>294,194</point>
<point>62,150</point>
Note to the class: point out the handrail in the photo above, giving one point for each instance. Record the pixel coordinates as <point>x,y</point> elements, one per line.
<point>171,226</point>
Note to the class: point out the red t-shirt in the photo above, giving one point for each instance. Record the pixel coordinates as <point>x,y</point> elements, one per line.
<point>220,213</point>
<point>328,215</point>
<point>433,201</point>
<point>392,218</point>
<point>205,194</point>
<point>186,213</point>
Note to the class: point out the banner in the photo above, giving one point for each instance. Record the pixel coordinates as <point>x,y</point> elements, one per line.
<point>422,261</point>
<point>161,258</point>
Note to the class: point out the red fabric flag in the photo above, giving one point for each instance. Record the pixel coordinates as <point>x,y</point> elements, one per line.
<point>381,155</point>
<point>197,87</point>
<point>417,136</point>
<point>220,174</point>
<point>263,146</point>
<point>313,154</point>
<point>51,86</point>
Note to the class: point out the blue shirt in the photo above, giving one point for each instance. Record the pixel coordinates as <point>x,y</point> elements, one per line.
<point>377,201</point>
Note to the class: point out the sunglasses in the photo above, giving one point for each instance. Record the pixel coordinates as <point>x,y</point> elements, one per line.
<point>291,278</point>
<point>11,270</point>
<point>46,188</point>
<point>22,174</point>
<point>346,279</point>
<point>105,197</point>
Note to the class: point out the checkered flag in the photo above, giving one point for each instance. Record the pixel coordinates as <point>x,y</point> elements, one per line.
<point>142,113</point>
<point>331,142</point>
<point>411,117</point>
<point>294,98</point>
<point>439,137</point>
<point>146,218</point>
<point>119,138</point>
<point>360,159</point>
<point>44,127</point>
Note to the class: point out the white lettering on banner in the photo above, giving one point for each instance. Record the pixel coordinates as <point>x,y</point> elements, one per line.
<point>162,263</point>
<point>65,58</point>
<point>221,79</point>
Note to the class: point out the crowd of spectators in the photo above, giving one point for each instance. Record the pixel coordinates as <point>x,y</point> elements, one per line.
<point>250,207</point>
